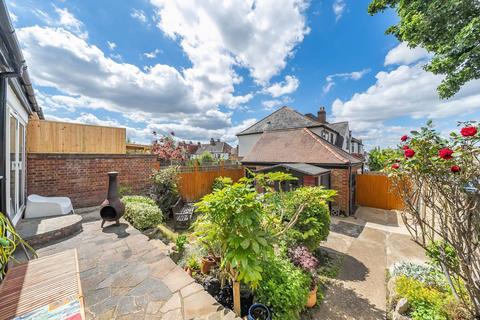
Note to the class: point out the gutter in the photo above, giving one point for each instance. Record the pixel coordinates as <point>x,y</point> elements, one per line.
<point>15,60</point>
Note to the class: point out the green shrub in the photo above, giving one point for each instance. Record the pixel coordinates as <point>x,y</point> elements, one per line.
<point>124,190</point>
<point>181,242</point>
<point>313,223</point>
<point>284,288</point>
<point>138,199</point>
<point>427,274</point>
<point>427,302</point>
<point>142,212</point>
<point>221,182</point>
<point>165,189</point>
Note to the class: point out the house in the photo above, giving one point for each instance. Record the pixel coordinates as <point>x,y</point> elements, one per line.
<point>316,152</point>
<point>17,105</point>
<point>218,149</point>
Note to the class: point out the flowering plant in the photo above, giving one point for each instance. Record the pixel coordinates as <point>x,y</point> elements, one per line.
<point>439,182</point>
<point>166,148</point>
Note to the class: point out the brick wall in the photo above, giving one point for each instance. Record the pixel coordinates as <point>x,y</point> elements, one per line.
<point>83,177</point>
<point>309,181</point>
<point>339,182</point>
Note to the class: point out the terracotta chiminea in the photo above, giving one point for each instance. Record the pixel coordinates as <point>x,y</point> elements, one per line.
<point>112,208</point>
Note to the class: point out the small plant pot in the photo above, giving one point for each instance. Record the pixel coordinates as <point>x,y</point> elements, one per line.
<point>206,264</point>
<point>312,298</point>
<point>188,270</point>
<point>259,311</point>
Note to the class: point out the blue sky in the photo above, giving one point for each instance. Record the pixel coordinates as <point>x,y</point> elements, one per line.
<point>210,68</point>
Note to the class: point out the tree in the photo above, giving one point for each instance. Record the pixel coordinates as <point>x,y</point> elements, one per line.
<point>166,148</point>
<point>206,157</point>
<point>439,182</point>
<point>449,29</point>
<point>378,158</point>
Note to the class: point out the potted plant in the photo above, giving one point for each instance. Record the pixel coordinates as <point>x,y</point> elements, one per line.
<point>259,311</point>
<point>192,265</point>
<point>206,264</point>
<point>303,258</point>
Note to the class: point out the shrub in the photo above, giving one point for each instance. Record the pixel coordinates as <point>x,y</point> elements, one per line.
<point>165,189</point>
<point>284,289</point>
<point>142,212</point>
<point>181,242</point>
<point>124,190</point>
<point>313,223</point>
<point>221,182</point>
<point>427,302</point>
<point>427,274</point>
<point>303,258</point>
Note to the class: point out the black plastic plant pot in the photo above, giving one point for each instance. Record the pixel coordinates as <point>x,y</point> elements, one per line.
<point>259,311</point>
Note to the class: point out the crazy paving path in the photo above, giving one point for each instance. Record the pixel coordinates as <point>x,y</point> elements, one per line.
<point>125,275</point>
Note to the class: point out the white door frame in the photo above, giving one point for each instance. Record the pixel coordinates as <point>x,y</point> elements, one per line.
<point>22,119</point>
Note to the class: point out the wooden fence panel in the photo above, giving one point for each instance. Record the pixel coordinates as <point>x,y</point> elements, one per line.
<point>375,191</point>
<point>62,137</point>
<point>195,184</point>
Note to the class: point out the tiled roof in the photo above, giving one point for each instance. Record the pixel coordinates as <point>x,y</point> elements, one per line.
<point>297,146</point>
<point>216,147</point>
<point>340,127</point>
<point>283,118</point>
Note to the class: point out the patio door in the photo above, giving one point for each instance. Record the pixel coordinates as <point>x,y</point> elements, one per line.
<point>15,166</point>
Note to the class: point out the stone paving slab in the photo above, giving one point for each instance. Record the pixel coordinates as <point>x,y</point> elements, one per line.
<point>124,275</point>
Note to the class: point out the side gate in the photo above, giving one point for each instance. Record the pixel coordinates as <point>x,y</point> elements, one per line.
<point>375,190</point>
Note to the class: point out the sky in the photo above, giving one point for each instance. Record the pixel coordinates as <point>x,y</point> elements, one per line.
<point>209,69</point>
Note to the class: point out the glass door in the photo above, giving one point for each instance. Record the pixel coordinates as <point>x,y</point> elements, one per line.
<point>16,163</point>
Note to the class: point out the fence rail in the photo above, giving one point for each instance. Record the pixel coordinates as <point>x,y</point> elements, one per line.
<point>375,190</point>
<point>195,182</point>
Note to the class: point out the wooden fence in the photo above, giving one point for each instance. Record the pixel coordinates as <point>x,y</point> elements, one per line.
<point>195,182</point>
<point>62,137</point>
<point>374,190</point>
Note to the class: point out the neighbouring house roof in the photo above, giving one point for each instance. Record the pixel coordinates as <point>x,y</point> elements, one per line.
<point>304,168</point>
<point>297,146</point>
<point>215,147</point>
<point>283,118</point>
<point>340,127</point>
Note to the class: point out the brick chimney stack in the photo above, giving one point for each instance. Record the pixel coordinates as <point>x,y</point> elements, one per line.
<point>322,115</point>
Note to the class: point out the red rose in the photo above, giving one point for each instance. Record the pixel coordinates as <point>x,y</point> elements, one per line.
<point>405,147</point>
<point>395,166</point>
<point>468,131</point>
<point>445,153</point>
<point>409,153</point>
<point>455,169</point>
<point>404,138</point>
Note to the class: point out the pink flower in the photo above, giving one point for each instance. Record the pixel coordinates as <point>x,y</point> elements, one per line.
<point>445,153</point>
<point>409,153</point>
<point>469,131</point>
<point>395,166</point>
<point>404,138</point>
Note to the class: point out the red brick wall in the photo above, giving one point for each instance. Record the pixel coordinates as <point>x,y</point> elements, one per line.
<point>83,177</point>
<point>309,181</point>
<point>339,182</point>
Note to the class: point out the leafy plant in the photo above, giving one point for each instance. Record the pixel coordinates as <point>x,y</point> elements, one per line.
<point>313,224</point>
<point>192,263</point>
<point>206,157</point>
<point>232,218</point>
<point>379,159</point>
<point>221,182</point>
<point>426,274</point>
<point>165,187</point>
<point>124,190</point>
<point>181,242</point>
<point>427,302</point>
<point>142,212</point>
<point>303,258</point>
<point>284,289</point>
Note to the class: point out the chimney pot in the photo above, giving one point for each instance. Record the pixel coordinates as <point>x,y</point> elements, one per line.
<point>322,115</point>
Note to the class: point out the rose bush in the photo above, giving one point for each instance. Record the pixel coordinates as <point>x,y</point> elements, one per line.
<point>439,181</point>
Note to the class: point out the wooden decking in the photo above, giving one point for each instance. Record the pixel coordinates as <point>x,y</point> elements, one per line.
<point>51,281</point>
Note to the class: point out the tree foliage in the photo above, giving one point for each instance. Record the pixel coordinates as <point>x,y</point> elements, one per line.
<point>449,29</point>
<point>166,148</point>
<point>439,182</point>
<point>379,159</point>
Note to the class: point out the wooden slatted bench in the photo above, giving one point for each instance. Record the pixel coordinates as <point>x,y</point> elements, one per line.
<point>45,288</point>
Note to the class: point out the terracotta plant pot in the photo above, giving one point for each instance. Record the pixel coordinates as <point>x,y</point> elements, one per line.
<point>312,298</point>
<point>206,264</point>
<point>188,270</point>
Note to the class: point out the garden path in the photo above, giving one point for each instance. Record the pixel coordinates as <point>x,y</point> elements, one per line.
<point>370,243</point>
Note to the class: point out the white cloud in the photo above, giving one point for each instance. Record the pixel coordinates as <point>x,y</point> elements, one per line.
<point>289,85</point>
<point>402,54</point>
<point>274,103</point>
<point>68,21</point>
<point>139,15</point>
<point>338,8</point>
<point>13,17</point>
<point>407,92</point>
<point>354,75</point>
<point>111,45</point>
<point>216,36</point>
<point>152,54</point>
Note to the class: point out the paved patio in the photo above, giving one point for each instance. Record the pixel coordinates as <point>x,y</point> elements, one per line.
<point>125,275</point>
